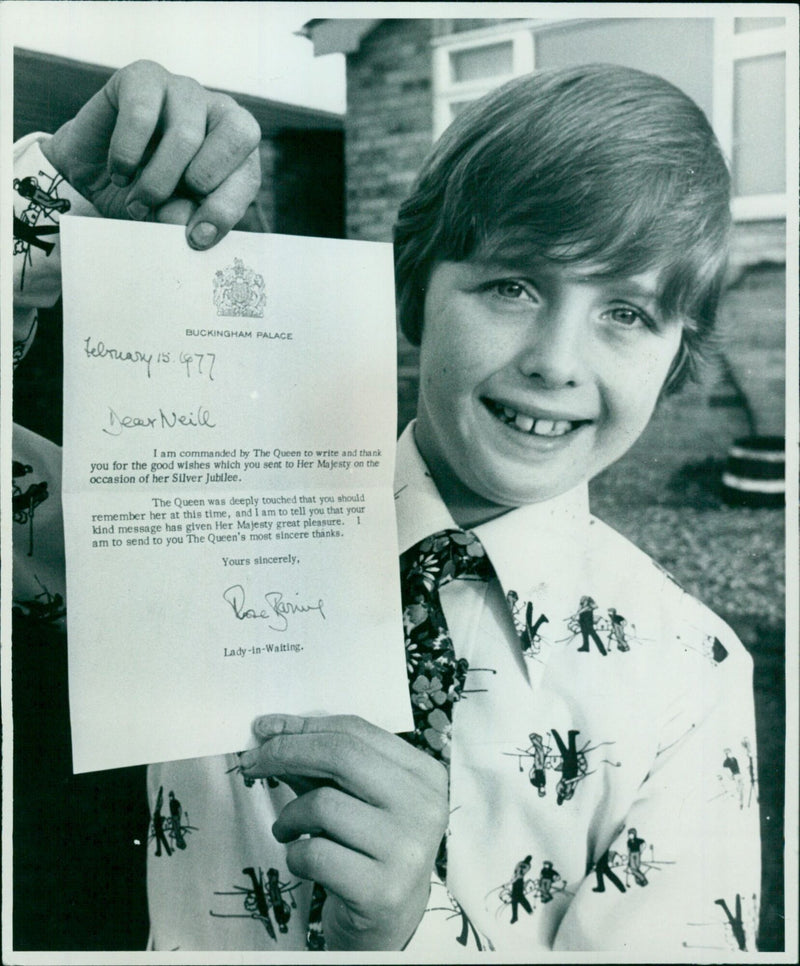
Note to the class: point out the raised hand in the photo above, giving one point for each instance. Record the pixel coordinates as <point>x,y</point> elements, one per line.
<point>155,145</point>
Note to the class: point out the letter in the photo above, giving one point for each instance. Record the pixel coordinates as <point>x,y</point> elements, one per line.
<point>208,418</point>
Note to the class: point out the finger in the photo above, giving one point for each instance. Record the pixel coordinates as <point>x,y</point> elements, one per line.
<point>338,816</point>
<point>231,137</point>
<point>372,764</point>
<point>182,130</point>
<point>339,869</point>
<point>387,744</point>
<point>177,211</point>
<point>137,94</point>
<point>219,211</point>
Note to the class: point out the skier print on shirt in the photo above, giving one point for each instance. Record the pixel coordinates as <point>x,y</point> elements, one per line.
<point>523,888</point>
<point>524,624</point>
<point>263,900</point>
<point>567,759</point>
<point>42,203</point>
<point>634,865</point>
<point>588,622</point>
<point>24,501</point>
<point>733,782</point>
<point>169,832</point>
<point>734,922</point>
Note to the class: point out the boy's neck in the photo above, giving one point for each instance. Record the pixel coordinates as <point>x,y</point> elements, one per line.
<point>466,507</point>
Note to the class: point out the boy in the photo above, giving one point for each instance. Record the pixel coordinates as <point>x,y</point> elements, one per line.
<point>559,261</point>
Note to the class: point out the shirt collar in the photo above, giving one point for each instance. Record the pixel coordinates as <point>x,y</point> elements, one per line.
<point>515,541</point>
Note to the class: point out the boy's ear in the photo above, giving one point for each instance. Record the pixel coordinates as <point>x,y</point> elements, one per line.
<point>409,310</point>
<point>680,370</point>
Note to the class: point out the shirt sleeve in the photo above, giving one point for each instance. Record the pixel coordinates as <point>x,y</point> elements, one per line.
<point>682,873</point>
<point>41,197</point>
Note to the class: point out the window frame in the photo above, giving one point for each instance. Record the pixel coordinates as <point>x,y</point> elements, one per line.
<point>731,48</point>
<point>446,91</point>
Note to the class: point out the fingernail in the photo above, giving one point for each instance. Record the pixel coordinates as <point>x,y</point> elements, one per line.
<point>137,210</point>
<point>203,234</point>
<point>120,180</point>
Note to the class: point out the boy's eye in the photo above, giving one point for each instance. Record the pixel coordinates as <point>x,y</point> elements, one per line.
<point>509,288</point>
<point>628,317</point>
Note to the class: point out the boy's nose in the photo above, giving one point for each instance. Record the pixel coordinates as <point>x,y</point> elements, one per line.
<point>555,347</point>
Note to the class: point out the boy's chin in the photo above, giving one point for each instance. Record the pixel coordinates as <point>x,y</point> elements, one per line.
<point>510,494</point>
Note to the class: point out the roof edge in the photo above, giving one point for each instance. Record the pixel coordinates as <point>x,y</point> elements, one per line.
<point>336,36</point>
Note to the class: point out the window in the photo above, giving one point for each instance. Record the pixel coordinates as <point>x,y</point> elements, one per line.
<point>750,111</point>
<point>465,67</point>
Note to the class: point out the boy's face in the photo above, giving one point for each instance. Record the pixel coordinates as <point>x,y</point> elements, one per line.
<point>534,378</point>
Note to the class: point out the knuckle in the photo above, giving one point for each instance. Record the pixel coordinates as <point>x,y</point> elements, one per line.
<point>142,67</point>
<point>140,113</point>
<point>393,894</point>
<point>321,803</point>
<point>251,129</point>
<point>351,724</point>
<point>187,139</point>
<point>342,748</point>
<point>417,854</point>
<point>224,102</point>
<point>200,179</point>
<point>241,127</point>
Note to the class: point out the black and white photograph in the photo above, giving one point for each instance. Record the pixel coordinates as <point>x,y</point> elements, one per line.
<point>400,553</point>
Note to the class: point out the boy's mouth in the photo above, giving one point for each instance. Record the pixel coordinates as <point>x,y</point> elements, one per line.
<point>531,426</point>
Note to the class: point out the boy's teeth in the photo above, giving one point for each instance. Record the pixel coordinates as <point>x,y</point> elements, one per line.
<point>538,427</point>
<point>525,423</point>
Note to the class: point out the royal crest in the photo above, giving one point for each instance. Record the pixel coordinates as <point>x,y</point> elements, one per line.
<point>239,292</point>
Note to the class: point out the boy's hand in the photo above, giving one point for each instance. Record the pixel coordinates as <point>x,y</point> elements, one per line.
<point>375,810</point>
<point>152,144</point>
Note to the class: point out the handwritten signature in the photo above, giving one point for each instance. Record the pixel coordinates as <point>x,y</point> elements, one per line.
<point>117,424</point>
<point>278,609</point>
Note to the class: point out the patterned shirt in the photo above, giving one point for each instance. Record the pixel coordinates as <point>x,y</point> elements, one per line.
<point>593,805</point>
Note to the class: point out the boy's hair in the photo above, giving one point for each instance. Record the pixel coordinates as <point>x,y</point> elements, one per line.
<point>596,163</point>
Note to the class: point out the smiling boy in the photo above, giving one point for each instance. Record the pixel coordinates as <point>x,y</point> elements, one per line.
<point>562,388</point>
<point>559,261</point>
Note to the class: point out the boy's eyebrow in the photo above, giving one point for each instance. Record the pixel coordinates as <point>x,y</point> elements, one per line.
<point>508,263</point>
<point>632,284</point>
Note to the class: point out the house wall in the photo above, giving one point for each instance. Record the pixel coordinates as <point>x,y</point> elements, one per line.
<point>389,124</point>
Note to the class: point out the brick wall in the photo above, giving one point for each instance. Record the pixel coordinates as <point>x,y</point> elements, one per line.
<point>389,123</point>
